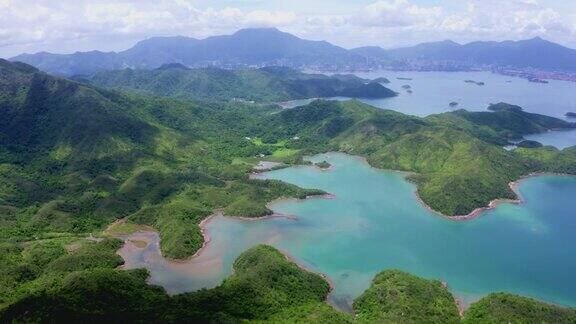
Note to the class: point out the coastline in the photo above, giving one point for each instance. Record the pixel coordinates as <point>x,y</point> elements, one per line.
<point>203,225</point>
<point>457,218</point>
<point>324,276</point>
<point>492,204</point>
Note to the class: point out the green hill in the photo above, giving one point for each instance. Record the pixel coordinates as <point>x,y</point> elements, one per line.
<point>81,284</point>
<point>398,297</point>
<point>456,163</point>
<point>74,158</point>
<point>508,308</point>
<point>271,84</point>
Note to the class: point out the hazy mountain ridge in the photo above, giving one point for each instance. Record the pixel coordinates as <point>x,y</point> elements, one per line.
<point>246,47</point>
<point>535,53</point>
<point>260,47</point>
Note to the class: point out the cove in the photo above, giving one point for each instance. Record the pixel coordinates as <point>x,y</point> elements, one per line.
<point>374,222</point>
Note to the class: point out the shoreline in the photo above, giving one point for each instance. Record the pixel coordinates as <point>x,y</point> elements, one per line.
<point>324,276</point>
<point>476,212</point>
<point>493,204</point>
<point>203,225</point>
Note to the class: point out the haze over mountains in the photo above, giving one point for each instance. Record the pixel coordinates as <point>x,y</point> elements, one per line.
<point>269,46</point>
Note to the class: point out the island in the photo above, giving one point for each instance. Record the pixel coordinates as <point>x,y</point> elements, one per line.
<point>324,165</point>
<point>478,83</point>
<point>382,80</point>
<point>537,80</point>
<point>570,114</point>
<point>453,104</point>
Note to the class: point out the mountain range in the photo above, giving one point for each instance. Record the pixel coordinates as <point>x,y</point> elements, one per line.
<point>259,47</point>
<point>535,53</point>
<point>246,47</point>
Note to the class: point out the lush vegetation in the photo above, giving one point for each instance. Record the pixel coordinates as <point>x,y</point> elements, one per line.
<point>457,158</point>
<point>75,158</point>
<point>82,284</point>
<point>264,286</point>
<point>398,297</point>
<point>507,308</point>
<point>270,84</point>
<point>27,268</point>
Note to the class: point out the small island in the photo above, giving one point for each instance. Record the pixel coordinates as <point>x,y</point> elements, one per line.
<point>382,80</point>
<point>570,114</point>
<point>406,86</point>
<point>324,165</point>
<point>406,79</point>
<point>453,104</point>
<point>478,83</point>
<point>536,80</point>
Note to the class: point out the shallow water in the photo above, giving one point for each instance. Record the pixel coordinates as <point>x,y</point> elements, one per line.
<point>375,223</point>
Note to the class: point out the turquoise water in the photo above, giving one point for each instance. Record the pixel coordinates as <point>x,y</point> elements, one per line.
<point>375,223</point>
<point>432,93</point>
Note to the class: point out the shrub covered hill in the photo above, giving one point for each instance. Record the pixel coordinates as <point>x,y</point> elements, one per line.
<point>83,285</point>
<point>269,84</point>
<point>74,158</point>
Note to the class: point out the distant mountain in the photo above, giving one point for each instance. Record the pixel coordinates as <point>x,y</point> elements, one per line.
<point>247,47</point>
<point>267,84</point>
<point>260,47</point>
<point>535,53</point>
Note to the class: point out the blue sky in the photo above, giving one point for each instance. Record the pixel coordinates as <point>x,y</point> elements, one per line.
<point>64,26</point>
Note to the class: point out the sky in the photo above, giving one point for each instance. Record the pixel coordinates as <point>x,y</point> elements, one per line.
<point>66,26</point>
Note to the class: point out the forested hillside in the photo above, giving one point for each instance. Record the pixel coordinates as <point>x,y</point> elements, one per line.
<point>74,158</point>
<point>82,285</point>
<point>271,84</point>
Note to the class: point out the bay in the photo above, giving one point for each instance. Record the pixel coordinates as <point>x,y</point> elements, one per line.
<point>375,223</point>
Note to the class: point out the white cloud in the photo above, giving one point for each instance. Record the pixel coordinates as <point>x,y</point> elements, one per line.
<point>396,13</point>
<point>65,26</point>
